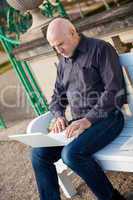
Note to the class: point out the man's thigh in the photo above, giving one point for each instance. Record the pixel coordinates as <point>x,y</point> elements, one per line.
<point>97,136</point>
<point>49,154</point>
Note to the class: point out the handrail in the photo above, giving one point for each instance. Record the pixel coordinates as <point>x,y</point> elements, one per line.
<point>2,37</point>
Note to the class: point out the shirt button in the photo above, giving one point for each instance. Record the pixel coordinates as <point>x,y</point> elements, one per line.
<point>76,65</point>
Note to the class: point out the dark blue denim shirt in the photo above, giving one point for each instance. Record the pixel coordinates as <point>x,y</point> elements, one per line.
<point>91,81</point>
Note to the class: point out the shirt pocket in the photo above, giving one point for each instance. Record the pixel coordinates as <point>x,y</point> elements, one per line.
<point>91,76</point>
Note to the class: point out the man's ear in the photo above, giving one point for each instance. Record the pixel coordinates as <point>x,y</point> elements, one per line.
<point>72,32</point>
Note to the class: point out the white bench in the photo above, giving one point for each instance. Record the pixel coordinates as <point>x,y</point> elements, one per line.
<point>111,157</point>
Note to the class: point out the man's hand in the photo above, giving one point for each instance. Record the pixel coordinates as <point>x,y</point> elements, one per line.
<point>77,127</point>
<point>59,125</point>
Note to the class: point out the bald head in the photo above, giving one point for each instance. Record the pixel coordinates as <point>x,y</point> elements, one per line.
<point>62,35</point>
<point>59,26</point>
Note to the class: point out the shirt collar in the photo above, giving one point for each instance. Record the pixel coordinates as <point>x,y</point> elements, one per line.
<point>81,48</point>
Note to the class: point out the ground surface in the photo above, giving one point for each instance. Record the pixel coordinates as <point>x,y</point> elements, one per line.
<point>16,176</point>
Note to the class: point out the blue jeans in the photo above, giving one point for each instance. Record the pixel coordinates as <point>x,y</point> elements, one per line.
<point>78,155</point>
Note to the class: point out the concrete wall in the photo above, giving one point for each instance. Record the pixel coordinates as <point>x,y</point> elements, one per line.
<point>44,70</point>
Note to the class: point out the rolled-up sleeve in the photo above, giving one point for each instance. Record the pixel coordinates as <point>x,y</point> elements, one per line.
<point>59,100</point>
<point>114,94</point>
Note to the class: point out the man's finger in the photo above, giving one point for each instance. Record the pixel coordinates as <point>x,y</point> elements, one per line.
<point>56,128</point>
<point>70,131</point>
<point>74,128</point>
<point>62,122</point>
<point>59,126</point>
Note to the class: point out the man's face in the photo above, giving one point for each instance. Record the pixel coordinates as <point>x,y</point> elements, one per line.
<point>63,44</point>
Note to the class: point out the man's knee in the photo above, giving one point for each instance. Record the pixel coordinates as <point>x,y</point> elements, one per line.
<point>44,155</point>
<point>69,156</point>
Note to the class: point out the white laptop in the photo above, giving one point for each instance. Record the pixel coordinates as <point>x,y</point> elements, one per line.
<point>42,139</point>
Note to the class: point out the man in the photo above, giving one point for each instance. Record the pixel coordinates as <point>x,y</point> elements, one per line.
<point>90,80</point>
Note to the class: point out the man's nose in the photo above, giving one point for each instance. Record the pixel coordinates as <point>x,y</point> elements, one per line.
<point>59,49</point>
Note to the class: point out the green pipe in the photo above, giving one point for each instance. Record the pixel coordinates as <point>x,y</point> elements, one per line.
<point>27,86</point>
<point>44,101</point>
<point>24,82</point>
<point>106,4</point>
<point>35,98</point>
<point>15,42</point>
<point>31,93</point>
<point>30,86</point>
<point>17,70</point>
<point>2,123</point>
